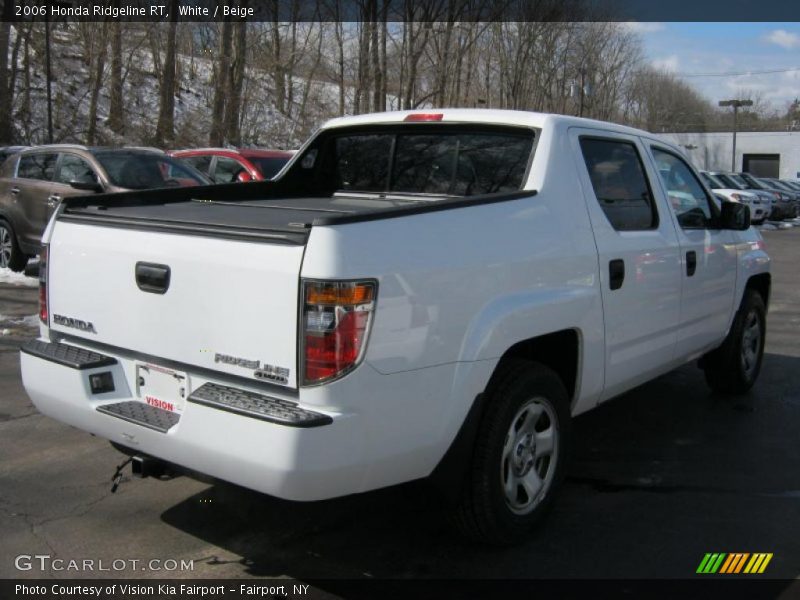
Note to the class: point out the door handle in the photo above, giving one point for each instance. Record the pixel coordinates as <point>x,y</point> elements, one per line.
<point>616,273</point>
<point>15,190</point>
<point>152,278</point>
<point>691,262</point>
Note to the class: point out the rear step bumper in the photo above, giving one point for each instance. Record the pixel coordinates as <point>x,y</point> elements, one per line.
<point>69,356</point>
<point>269,444</point>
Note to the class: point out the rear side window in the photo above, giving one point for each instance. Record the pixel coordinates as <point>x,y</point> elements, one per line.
<point>201,163</point>
<point>619,183</point>
<point>37,166</point>
<point>455,164</point>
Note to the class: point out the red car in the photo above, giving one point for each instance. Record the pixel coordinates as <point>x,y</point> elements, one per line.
<point>225,165</point>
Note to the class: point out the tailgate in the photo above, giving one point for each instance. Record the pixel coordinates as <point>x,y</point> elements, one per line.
<point>230,305</point>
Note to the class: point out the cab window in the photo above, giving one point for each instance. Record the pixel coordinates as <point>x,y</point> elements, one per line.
<point>689,201</point>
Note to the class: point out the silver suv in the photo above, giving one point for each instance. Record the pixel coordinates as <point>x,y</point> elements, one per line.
<point>34,181</point>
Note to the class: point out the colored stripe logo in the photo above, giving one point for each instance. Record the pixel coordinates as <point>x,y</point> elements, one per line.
<point>734,563</point>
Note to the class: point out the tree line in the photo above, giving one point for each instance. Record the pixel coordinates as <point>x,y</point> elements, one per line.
<point>274,81</point>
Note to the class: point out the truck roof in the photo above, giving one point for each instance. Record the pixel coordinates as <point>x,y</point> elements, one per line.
<point>492,116</point>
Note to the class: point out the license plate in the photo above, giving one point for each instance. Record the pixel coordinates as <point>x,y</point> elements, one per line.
<point>161,387</point>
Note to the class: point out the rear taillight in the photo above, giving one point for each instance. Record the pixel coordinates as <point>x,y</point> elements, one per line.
<point>335,325</point>
<point>43,313</point>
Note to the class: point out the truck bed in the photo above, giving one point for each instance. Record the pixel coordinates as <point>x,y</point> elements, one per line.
<point>232,211</point>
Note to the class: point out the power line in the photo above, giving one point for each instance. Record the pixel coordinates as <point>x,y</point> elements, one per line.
<point>739,73</point>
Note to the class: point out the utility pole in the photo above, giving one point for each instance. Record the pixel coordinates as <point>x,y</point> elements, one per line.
<point>736,104</point>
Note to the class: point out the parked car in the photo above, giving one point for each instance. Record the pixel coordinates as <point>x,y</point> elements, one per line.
<point>777,184</point>
<point>224,165</point>
<point>34,181</point>
<point>786,202</point>
<point>794,184</point>
<point>758,211</point>
<point>734,181</point>
<point>365,325</point>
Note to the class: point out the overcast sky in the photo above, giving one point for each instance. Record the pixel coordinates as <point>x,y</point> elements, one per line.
<point>702,48</point>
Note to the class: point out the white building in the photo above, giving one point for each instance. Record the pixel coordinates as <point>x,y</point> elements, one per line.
<point>766,154</point>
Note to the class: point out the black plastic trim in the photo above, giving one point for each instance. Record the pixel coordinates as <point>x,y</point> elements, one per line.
<point>142,414</point>
<point>68,356</point>
<point>425,207</point>
<point>296,237</point>
<point>264,408</point>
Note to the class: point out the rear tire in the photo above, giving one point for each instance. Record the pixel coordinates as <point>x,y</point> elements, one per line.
<point>734,367</point>
<point>11,256</point>
<point>519,456</point>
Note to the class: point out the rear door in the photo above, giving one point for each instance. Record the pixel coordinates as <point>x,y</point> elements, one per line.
<point>32,189</point>
<point>708,256</point>
<point>639,260</point>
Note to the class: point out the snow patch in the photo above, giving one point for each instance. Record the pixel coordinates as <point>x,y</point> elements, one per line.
<point>29,321</point>
<point>9,276</point>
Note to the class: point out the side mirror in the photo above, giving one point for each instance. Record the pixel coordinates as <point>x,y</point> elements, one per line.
<point>734,216</point>
<point>244,177</point>
<point>86,186</point>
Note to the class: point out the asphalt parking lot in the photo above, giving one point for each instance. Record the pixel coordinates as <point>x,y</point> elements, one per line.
<point>659,477</point>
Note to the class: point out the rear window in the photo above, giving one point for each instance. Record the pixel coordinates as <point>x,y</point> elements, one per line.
<point>455,164</point>
<point>143,171</point>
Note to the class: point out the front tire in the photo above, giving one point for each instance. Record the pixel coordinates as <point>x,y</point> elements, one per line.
<point>734,367</point>
<point>519,456</point>
<point>11,256</point>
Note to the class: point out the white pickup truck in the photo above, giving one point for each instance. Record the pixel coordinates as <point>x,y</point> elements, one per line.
<point>419,295</point>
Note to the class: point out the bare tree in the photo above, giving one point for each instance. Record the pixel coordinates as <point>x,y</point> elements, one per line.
<point>234,101</point>
<point>116,110</point>
<point>6,93</point>
<point>165,129</point>
<point>97,81</point>
<point>221,86</point>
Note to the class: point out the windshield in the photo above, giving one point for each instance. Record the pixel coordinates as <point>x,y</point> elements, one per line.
<point>713,182</point>
<point>782,186</point>
<point>768,184</point>
<point>737,180</point>
<point>442,163</point>
<point>269,167</point>
<point>728,182</point>
<point>145,170</point>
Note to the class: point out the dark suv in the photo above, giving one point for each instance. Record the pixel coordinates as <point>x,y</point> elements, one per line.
<point>33,182</point>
